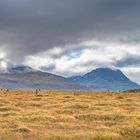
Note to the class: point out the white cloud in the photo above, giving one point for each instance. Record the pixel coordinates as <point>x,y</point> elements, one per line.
<point>133,73</point>
<point>3,62</point>
<point>84,57</point>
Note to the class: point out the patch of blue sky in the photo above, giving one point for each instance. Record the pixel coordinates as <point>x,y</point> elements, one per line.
<point>74,55</point>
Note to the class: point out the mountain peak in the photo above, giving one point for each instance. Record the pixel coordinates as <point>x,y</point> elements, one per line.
<point>106,69</point>
<point>105,79</point>
<point>107,74</point>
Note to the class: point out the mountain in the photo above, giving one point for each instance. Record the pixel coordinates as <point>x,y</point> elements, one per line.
<point>23,77</point>
<point>103,79</point>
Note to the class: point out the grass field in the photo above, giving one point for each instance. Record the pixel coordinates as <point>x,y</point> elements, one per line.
<point>51,115</point>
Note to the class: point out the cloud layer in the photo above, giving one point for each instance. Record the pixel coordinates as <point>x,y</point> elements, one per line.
<point>69,37</point>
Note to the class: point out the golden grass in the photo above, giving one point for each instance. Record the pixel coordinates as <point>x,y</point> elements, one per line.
<point>53,115</point>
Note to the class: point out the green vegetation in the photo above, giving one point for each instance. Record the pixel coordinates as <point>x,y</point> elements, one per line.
<point>133,91</point>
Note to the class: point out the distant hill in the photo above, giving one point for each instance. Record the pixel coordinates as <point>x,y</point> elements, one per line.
<point>23,77</point>
<point>103,79</point>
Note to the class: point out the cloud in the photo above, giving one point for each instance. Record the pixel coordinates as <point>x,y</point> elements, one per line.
<point>132,72</point>
<point>84,57</point>
<point>130,61</point>
<point>70,37</point>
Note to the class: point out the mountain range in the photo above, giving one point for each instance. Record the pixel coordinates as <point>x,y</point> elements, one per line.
<point>101,79</point>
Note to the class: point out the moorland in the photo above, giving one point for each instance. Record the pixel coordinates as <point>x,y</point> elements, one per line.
<point>56,115</point>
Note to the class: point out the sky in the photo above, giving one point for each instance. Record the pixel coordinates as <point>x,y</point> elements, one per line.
<point>71,37</point>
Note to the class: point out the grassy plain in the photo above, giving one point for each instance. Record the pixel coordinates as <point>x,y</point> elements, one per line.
<point>52,115</point>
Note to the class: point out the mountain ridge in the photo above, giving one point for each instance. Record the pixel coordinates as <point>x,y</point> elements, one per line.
<point>100,79</point>
<point>18,78</point>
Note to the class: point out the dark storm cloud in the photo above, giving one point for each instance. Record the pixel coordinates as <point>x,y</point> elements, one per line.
<point>130,61</point>
<point>55,35</point>
<point>31,26</point>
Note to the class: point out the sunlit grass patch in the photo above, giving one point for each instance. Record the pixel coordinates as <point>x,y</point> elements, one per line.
<point>8,136</point>
<point>105,135</point>
<point>107,117</point>
<point>78,106</point>
<point>131,132</point>
<point>38,118</point>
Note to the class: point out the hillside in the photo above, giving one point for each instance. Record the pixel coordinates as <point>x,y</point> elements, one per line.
<point>27,78</point>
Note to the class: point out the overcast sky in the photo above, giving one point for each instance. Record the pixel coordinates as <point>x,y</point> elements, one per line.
<point>71,37</point>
